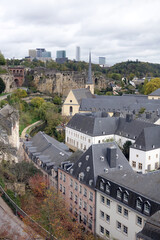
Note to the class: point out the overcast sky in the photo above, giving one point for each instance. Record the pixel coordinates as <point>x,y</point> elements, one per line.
<point>116,29</point>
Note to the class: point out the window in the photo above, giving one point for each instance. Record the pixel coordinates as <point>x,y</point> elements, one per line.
<point>107,233</point>
<point>136,155</point>
<point>71,195</point>
<point>156,155</point>
<point>147,207</point>
<point>101,214</point>
<point>133,164</point>
<point>91,196</point>
<point>71,182</point>
<point>125,196</point>
<point>90,224</point>
<point>119,193</point>
<point>119,209</point>
<point>102,199</point>
<point>156,165</point>
<point>60,175</point>
<point>64,190</point>
<point>81,176</point>
<point>139,220</point>
<point>70,208</point>
<point>119,226</point>
<point>139,165</point>
<point>149,167</point>
<point>75,199</point>
<point>125,212</point>
<point>90,210</point>
<point>80,189</point>
<point>101,230</point>
<point>108,187</point>
<point>101,185</point>
<point>76,186</point>
<point>125,230</point>
<point>85,219</point>
<point>108,202</point>
<point>80,203</point>
<point>149,157</point>
<point>85,192</point>
<point>107,218</point>
<point>64,177</point>
<point>139,203</point>
<point>60,187</point>
<point>85,206</point>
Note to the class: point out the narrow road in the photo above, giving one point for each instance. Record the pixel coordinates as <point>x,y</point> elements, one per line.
<point>25,130</point>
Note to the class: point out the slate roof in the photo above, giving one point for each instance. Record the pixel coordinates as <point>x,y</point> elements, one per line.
<point>82,93</point>
<point>155,93</point>
<point>144,184</point>
<point>117,103</point>
<point>47,149</point>
<point>93,125</point>
<point>151,230</point>
<point>94,162</point>
<point>148,139</point>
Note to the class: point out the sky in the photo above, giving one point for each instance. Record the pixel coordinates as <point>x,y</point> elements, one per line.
<point>119,30</point>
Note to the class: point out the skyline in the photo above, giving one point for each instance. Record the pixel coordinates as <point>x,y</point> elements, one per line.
<point>117,30</point>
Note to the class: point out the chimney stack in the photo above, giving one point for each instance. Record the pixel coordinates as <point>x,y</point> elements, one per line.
<point>111,156</point>
<point>129,117</point>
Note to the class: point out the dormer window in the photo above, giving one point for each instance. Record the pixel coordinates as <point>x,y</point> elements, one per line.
<point>81,176</point>
<point>139,203</point>
<point>90,182</point>
<point>102,158</point>
<point>102,184</point>
<point>147,208</point>
<point>125,196</point>
<point>153,146</point>
<point>87,157</point>
<point>71,170</point>
<point>108,185</point>
<point>119,193</point>
<point>79,164</point>
<point>87,169</point>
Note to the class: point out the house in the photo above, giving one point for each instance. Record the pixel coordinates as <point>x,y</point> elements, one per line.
<point>72,103</point>
<point>47,154</point>
<point>124,201</point>
<point>155,95</point>
<point>77,179</point>
<point>9,132</point>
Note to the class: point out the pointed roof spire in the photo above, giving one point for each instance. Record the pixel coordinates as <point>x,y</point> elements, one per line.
<point>89,81</point>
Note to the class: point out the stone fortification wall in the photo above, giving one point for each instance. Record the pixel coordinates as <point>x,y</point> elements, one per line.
<point>53,81</point>
<point>9,82</point>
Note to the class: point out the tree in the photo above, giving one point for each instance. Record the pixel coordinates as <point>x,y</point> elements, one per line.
<point>126,147</point>
<point>37,102</point>
<point>152,86</point>
<point>2,59</point>
<point>2,85</point>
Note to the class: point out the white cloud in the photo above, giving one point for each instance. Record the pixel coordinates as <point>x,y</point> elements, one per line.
<point>117,29</point>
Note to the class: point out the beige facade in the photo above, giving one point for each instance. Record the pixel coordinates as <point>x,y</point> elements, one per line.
<point>153,97</point>
<point>70,106</point>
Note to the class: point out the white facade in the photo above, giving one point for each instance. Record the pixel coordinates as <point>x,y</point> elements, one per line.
<point>144,161</point>
<point>115,220</point>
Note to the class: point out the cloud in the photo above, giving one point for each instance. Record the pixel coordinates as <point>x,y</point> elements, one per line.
<point>118,30</point>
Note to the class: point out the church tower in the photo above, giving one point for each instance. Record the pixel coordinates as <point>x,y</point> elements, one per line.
<point>89,83</point>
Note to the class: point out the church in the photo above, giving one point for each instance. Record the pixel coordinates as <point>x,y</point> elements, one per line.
<point>72,103</point>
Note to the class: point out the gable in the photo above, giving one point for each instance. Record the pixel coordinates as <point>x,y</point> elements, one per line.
<point>71,99</point>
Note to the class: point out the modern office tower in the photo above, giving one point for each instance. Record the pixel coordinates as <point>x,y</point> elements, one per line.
<point>32,53</point>
<point>40,51</point>
<point>46,54</point>
<point>61,56</point>
<point>102,60</point>
<point>77,54</point>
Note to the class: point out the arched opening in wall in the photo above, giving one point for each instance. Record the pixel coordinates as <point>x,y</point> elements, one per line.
<point>70,110</point>
<point>16,82</point>
<point>96,81</point>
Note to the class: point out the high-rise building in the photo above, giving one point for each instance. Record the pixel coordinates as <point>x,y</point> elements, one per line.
<point>102,60</point>
<point>32,53</point>
<point>61,56</point>
<point>77,54</point>
<point>40,54</point>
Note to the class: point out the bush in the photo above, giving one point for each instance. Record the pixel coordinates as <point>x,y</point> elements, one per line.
<point>2,85</point>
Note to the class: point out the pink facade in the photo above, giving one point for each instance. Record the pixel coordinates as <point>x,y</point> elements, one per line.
<point>79,198</point>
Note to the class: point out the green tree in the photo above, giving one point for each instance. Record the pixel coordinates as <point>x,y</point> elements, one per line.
<point>152,86</point>
<point>37,102</point>
<point>57,100</point>
<point>126,147</point>
<point>2,85</point>
<point>2,59</point>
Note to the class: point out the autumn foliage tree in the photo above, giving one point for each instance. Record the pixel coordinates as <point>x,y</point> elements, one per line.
<point>38,185</point>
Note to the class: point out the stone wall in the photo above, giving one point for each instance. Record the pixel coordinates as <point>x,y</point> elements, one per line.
<point>52,81</point>
<point>9,82</point>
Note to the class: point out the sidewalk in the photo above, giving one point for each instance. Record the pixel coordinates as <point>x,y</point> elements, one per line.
<point>25,130</point>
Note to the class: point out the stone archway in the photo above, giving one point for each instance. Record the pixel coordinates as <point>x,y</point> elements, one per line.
<point>16,82</point>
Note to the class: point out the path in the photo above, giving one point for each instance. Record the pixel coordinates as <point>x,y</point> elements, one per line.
<point>25,130</point>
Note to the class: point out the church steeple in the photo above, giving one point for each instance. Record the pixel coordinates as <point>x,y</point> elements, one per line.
<point>89,82</point>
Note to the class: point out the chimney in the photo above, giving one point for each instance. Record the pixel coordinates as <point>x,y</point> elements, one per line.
<point>129,117</point>
<point>111,156</point>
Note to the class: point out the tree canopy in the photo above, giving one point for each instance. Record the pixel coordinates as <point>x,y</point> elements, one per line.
<point>2,59</point>
<point>152,86</point>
